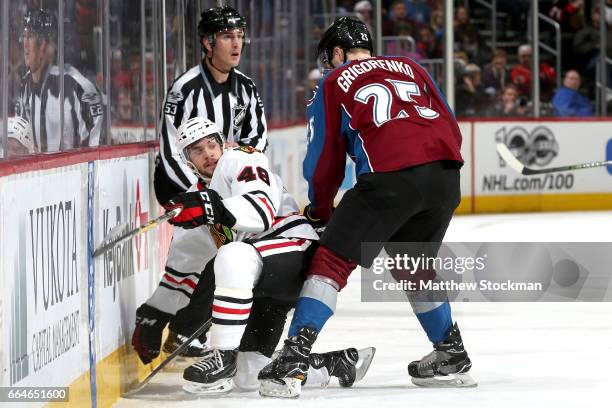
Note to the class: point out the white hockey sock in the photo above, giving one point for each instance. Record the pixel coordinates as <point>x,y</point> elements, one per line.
<point>249,364</point>
<point>230,313</point>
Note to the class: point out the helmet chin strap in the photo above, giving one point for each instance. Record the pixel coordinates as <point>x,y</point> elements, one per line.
<point>195,170</point>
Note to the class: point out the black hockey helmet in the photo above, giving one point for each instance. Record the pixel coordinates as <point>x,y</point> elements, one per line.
<point>41,23</point>
<point>347,33</point>
<point>219,19</point>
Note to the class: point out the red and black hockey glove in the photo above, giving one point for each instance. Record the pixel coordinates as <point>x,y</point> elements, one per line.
<point>150,323</point>
<point>201,208</point>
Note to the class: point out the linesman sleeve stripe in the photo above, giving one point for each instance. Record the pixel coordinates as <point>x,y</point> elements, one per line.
<point>170,163</point>
<point>254,127</point>
<point>186,84</point>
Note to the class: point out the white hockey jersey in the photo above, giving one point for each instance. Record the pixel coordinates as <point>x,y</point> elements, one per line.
<point>257,198</point>
<point>262,207</point>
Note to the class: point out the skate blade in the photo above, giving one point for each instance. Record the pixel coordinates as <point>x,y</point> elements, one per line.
<point>222,386</point>
<point>284,388</point>
<point>366,355</point>
<point>449,381</point>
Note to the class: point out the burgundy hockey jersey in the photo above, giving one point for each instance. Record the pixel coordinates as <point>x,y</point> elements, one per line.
<point>386,113</point>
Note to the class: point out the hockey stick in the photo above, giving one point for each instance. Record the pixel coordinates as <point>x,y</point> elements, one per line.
<point>519,167</point>
<point>168,359</point>
<point>110,241</point>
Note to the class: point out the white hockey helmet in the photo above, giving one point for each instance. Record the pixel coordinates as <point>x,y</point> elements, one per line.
<point>20,130</point>
<point>193,130</point>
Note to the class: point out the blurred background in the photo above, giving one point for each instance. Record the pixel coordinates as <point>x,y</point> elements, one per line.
<point>130,51</point>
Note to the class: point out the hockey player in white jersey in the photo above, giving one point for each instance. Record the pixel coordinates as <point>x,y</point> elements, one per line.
<point>243,208</point>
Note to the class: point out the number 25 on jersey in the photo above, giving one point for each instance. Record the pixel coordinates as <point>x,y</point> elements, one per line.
<point>383,99</point>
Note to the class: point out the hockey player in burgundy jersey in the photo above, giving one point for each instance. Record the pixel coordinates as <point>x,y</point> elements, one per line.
<point>388,115</point>
<point>243,215</point>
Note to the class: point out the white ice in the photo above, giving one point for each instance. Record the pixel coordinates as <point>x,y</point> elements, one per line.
<point>524,354</point>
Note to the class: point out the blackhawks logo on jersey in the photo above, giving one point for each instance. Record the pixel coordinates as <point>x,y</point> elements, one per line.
<point>221,234</point>
<point>247,149</point>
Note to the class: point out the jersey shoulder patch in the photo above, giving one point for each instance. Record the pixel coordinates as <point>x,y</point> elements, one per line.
<point>246,149</point>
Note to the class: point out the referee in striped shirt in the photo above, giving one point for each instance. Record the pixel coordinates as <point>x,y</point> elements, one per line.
<point>214,89</point>
<point>39,101</point>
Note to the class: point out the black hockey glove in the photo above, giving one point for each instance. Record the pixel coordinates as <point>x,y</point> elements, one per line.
<point>150,323</point>
<point>316,223</point>
<point>200,208</point>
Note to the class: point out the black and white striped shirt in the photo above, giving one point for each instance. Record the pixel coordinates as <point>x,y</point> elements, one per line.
<point>40,105</point>
<point>234,106</point>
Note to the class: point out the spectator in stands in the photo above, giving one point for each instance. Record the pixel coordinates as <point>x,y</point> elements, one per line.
<point>521,74</point>
<point>427,46</point>
<point>124,111</point>
<point>419,11</point>
<point>586,41</point>
<point>586,47</point>
<point>568,101</point>
<point>509,104</point>
<point>363,9</point>
<point>516,10</point>
<point>437,25</point>
<point>399,21</point>
<point>496,75</point>
<point>463,57</point>
<point>343,6</point>
<point>471,98</point>
<point>570,15</point>
<point>467,37</point>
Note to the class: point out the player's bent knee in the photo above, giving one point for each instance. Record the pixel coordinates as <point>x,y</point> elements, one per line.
<point>237,265</point>
<point>327,263</point>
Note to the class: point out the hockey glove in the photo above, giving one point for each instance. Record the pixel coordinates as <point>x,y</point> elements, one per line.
<point>200,208</point>
<point>150,323</point>
<point>316,223</point>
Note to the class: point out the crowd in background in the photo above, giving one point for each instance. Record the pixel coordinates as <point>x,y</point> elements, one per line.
<point>497,82</point>
<point>491,81</point>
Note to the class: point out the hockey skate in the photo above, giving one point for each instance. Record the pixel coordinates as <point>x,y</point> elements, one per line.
<point>283,377</point>
<point>348,365</point>
<point>445,367</point>
<point>194,352</point>
<point>213,374</point>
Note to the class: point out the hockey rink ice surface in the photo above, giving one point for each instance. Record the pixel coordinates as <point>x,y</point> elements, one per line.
<point>523,354</point>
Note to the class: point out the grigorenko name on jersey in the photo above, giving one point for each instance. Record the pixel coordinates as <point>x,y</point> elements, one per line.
<point>350,73</point>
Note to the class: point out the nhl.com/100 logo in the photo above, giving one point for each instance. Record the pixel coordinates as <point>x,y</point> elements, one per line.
<point>537,147</point>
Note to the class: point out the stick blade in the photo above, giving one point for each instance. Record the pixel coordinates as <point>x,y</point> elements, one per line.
<point>509,158</point>
<point>139,386</point>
